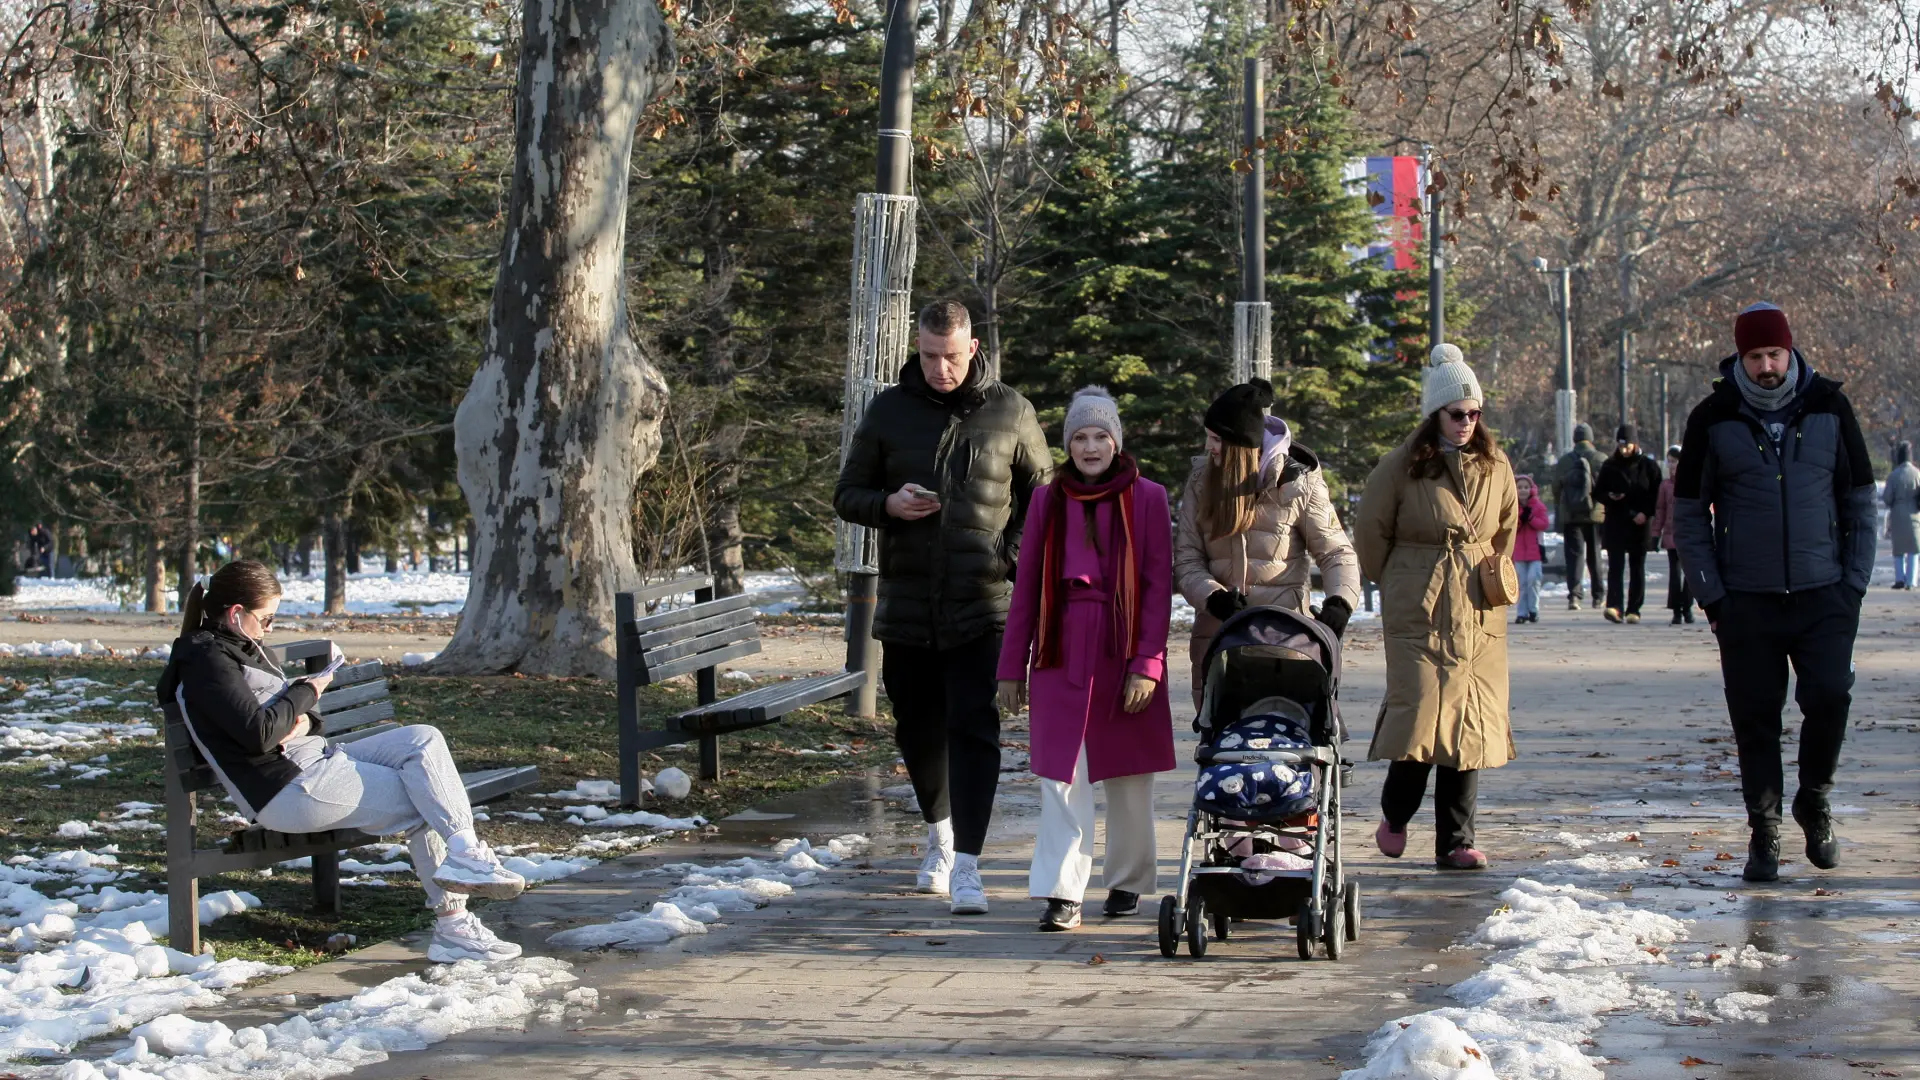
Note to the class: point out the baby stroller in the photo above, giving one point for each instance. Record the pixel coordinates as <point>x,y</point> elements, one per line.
<point>1263,837</point>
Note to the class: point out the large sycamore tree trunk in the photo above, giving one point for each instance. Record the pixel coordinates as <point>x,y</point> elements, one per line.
<point>563,417</point>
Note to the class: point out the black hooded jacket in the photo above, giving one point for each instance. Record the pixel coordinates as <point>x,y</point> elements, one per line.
<point>944,580</point>
<point>1750,517</point>
<point>209,670</point>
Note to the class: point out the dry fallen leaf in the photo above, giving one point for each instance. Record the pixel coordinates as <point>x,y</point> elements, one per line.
<point>1096,958</point>
<point>1693,1061</point>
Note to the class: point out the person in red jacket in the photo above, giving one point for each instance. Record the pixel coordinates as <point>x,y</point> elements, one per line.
<point>1677,597</point>
<point>1526,549</point>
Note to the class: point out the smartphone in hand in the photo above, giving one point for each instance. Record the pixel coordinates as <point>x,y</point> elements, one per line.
<point>920,493</point>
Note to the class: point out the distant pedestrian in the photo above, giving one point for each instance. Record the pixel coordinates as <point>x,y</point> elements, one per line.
<point>1629,486</point>
<point>1580,514</point>
<point>943,465</point>
<point>1773,511</point>
<point>1254,514</point>
<point>1678,599</point>
<point>1090,615</point>
<point>1526,550</point>
<point>1902,499</point>
<point>40,550</point>
<point>1434,511</point>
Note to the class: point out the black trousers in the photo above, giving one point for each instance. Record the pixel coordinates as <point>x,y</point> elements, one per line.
<point>1633,562</point>
<point>1678,598</point>
<point>947,725</point>
<point>1761,634</point>
<point>1455,800</point>
<point>1582,545</point>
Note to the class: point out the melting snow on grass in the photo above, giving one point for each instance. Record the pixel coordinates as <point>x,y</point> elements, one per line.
<point>705,892</point>
<point>46,715</point>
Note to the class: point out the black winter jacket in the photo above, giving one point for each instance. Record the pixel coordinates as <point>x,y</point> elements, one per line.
<point>1748,518</point>
<point>945,579</point>
<point>1637,481</point>
<point>209,670</point>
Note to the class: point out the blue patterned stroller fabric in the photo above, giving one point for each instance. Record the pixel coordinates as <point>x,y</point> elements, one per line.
<point>1261,791</point>
<point>1273,723</point>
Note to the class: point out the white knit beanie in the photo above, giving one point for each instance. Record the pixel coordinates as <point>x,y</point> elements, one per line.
<point>1448,379</point>
<point>1092,406</point>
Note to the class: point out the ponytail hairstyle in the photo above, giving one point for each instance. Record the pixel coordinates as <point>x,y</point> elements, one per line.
<point>247,582</point>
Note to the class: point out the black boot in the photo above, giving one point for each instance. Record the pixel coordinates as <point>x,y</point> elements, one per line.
<point>1677,617</point>
<point>1823,848</point>
<point>1060,915</point>
<point>1121,902</point>
<point>1763,857</point>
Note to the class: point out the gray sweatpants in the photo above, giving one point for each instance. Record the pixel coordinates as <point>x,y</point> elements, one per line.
<point>399,781</point>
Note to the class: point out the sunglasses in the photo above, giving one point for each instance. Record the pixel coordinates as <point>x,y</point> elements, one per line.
<point>266,624</point>
<point>1462,417</point>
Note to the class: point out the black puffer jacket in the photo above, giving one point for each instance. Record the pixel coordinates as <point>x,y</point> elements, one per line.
<point>944,580</point>
<point>1636,480</point>
<point>1750,518</point>
<point>217,672</point>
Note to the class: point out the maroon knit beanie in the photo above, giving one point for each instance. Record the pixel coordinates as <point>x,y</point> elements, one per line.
<point>1761,326</point>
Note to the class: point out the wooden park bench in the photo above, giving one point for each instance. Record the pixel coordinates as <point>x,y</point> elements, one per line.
<point>355,706</point>
<point>696,639</point>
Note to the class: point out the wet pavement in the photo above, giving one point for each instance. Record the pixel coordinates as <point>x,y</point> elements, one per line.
<point>1621,733</point>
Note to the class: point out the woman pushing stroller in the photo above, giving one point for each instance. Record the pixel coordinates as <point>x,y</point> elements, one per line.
<point>1087,638</point>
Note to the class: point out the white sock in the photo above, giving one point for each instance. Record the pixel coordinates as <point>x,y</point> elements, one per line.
<point>462,842</point>
<point>940,834</point>
<point>453,909</point>
<point>963,861</point>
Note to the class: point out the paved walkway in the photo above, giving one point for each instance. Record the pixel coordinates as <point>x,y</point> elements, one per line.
<point>1619,728</point>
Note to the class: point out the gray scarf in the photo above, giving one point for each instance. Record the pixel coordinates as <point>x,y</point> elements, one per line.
<point>1763,400</point>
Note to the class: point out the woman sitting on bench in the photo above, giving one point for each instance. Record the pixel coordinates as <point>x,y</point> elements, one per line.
<point>251,723</point>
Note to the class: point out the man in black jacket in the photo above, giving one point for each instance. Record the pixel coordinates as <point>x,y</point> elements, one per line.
<point>1775,522</point>
<point>1579,514</point>
<point>1629,487</point>
<point>943,465</point>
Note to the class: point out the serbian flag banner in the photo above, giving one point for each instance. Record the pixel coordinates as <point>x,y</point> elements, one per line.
<point>1396,189</point>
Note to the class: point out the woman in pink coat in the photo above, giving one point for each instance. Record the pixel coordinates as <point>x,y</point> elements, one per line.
<point>1090,611</point>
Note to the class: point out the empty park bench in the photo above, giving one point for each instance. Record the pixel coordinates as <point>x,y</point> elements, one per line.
<point>695,639</point>
<point>355,706</point>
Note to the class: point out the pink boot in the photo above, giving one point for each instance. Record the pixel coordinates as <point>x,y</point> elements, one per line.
<point>1391,841</point>
<point>1462,858</point>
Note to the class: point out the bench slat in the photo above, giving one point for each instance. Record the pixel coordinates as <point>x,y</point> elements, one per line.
<point>291,652</point>
<point>371,713</point>
<point>492,783</point>
<point>660,590</point>
<point>687,614</point>
<point>733,714</point>
<point>705,643</point>
<point>673,635</point>
<point>707,659</point>
<point>355,674</point>
<point>338,700</point>
<point>367,732</point>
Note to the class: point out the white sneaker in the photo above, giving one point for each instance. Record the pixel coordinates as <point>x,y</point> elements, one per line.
<point>969,893</point>
<point>935,870</point>
<point>465,937</point>
<point>479,873</point>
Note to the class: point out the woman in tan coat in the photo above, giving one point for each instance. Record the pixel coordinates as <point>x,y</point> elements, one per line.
<point>1254,511</point>
<point>1432,511</point>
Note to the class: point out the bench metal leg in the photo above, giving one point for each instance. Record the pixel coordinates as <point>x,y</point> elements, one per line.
<point>626,686</point>
<point>183,913</point>
<point>709,757</point>
<point>326,881</point>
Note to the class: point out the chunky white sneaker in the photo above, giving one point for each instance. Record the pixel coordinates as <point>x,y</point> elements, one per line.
<point>969,894</point>
<point>935,870</point>
<point>479,873</point>
<point>465,937</point>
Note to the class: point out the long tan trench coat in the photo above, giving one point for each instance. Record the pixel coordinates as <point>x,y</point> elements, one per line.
<point>1446,647</point>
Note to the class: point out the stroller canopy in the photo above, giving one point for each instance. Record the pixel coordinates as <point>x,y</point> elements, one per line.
<point>1273,651</point>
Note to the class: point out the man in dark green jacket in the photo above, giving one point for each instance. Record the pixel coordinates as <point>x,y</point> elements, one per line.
<point>942,464</point>
<point>1579,515</point>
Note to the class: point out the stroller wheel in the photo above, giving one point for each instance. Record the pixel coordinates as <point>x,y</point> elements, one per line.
<point>1304,930</point>
<point>1336,932</point>
<point>1220,927</point>
<point>1196,926</point>
<point>1169,925</point>
<point>1352,903</point>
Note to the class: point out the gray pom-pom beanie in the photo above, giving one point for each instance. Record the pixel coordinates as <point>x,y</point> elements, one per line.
<point>1448,379</point>
<point>1092,406</point>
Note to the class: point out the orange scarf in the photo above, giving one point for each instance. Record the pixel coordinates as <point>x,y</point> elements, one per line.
<point>1067,486</point>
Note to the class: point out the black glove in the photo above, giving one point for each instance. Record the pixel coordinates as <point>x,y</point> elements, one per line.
<point>1526,514</point>
<point>1334,615</point>
<point>1713,610</point>
<point>1224,602</point>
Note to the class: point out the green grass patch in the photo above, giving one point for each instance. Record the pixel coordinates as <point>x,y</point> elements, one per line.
<point>567,727</point>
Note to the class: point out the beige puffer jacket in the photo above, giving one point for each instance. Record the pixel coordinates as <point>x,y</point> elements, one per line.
<point>1294,527</point>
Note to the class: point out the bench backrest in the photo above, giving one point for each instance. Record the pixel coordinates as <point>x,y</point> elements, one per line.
<point>691,638</point>
<point>357,697</point>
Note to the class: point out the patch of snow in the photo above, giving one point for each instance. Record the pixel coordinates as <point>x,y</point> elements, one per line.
<point>1425,1047</point>
<point>671,783</point>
